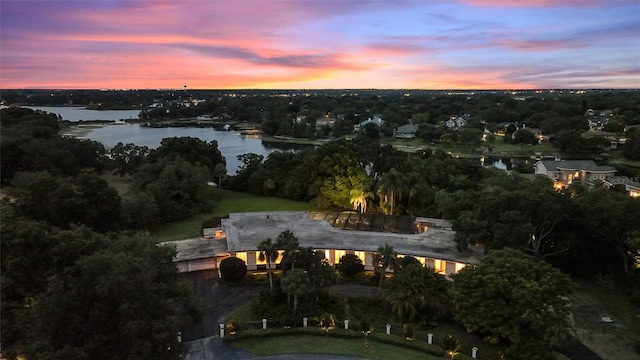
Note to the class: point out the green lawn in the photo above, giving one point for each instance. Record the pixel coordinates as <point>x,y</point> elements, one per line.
<point>305,344</point>
<point>226,202</point>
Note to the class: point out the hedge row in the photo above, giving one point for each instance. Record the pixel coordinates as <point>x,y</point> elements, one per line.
<point>394,340</point>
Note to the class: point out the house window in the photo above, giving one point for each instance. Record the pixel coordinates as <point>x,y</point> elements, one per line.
<point>595,176</point>
<point>242,256</point>
<point>258,261</point>
<point>440,266</point>
<point>339,255</point>
<point>360,255</point>
<point>602,176</point>
<point>459,267</point>
<point>264,262</point>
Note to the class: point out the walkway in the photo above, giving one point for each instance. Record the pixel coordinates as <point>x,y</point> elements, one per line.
<point>202,342</point>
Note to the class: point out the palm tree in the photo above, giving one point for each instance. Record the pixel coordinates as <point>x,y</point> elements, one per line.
<point>295,283</point>
<point>289,243</point>
<point>416,292</point>
<point>269,252</point>
<point>359,198</point>
<point>384,258</point>
<point>392,184</point>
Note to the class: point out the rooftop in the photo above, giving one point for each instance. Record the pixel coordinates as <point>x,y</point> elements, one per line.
<point>244,231</point>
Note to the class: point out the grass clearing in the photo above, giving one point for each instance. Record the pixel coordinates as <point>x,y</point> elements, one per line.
<point>329,345</point>
<point>610,340</point>
<point>226,202</point>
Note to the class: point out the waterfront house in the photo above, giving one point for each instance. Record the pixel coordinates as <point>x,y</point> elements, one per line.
<point>432,242</point>
<point>567,172</point>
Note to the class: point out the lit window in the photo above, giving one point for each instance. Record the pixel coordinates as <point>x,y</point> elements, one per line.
<point>339,255</point>
<point>440,266</point>
<point>242,256</point>
<point>360,255</point>
<point>459,266</point>
<point>258,261</point>
<point>421,259</point>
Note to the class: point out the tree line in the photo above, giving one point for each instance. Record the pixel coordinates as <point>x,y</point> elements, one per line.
<point>81,278</point>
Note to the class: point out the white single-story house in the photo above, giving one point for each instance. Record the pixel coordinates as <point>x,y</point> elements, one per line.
<point>239,235</point>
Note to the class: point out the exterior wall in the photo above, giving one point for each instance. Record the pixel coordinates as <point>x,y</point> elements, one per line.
<point>198,264</point>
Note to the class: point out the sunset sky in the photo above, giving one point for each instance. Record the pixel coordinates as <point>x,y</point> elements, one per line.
<point>320,44</point>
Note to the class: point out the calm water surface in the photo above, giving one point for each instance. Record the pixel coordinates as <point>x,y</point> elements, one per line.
<point>78,113</point>
<point>230,143</point>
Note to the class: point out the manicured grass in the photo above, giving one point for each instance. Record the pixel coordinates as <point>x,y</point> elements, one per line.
<point>226,202</point>
<point>501,148</point>
<point>305,344</point>
<point>242,314</point>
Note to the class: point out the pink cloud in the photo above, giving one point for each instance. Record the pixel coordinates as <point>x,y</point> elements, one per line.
<point>543,3</point>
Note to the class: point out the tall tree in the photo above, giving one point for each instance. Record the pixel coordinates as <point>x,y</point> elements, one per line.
<point>269,253</point>
<point>416,292</point>
<point>514,298</point>
<point>384,258</point>
<point>612,218</point>
<point>392,186</point>
<point>359,198</point>
<point>295,282</point>
<point>288,242</point>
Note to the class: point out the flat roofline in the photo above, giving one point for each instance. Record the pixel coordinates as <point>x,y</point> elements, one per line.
<point>245,231</point>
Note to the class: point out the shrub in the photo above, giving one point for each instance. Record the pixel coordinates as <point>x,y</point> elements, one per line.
<point>327,322</point>
<point>233,269</point>
<point>350,265</point>
<point>365,326</point>
<point>233,326</point>
<point>450,344</point>
<point>409,331</point>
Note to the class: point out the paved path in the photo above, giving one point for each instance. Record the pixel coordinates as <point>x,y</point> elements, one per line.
<point>202,342</point>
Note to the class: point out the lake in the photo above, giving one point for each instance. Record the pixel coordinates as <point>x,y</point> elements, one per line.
<point>78,113</point>
<point>230,143</point>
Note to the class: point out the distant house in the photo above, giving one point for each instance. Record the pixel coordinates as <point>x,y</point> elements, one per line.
<point>457,121</point>
<point>609,136</point>
<point>633,188</point>
<point>536,132</point>
<point>375,119</point>
<point>325,121</point>
<point>623,183</point>
<point>567,172</point>
<point>597,122</point>
<point>406,131</point>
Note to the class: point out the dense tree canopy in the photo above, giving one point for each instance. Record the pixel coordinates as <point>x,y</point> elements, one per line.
<point>77,294</point>
<point>514,299</point>
<point>416,293</point>
<point>30,143</point>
